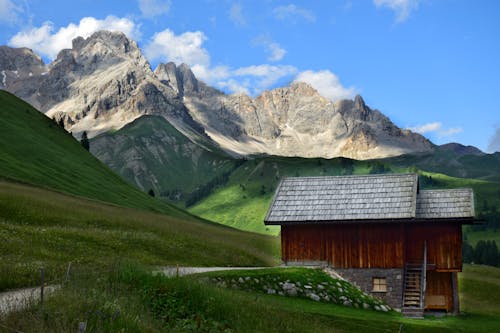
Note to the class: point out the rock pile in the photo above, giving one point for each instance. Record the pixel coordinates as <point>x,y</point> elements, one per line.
<point>333,291</point>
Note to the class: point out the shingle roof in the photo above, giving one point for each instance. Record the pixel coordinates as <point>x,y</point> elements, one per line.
<point>435,204</point>
<point>368,197</point>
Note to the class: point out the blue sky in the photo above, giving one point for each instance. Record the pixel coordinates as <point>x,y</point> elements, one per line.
<point>430,65</point>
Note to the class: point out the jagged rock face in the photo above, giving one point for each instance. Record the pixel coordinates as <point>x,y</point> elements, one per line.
<point>102,83</point>
<point>20,70</point>
<point>297,121</point>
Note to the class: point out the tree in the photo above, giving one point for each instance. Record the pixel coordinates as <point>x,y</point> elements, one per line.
<point>85,141</point>
<point>61,123</point>
<point>151,192</point>
<point>467,253</point>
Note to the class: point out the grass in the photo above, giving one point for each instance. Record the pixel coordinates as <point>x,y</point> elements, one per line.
<point>474,236</point>
<point>39,227</point>
<point>296,282</point>
<point>244,201</point>
<point>36,151</point>
<point>178,165</point>
<point>129,299</point>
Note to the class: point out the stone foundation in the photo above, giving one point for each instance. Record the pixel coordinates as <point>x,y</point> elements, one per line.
<point>363,279</point>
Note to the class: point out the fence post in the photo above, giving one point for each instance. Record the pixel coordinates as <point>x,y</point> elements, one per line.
<point>42,283</point>
<point>82,326</point>
<point>68,272</point>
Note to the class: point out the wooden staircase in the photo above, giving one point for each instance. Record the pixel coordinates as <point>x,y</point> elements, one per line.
<point>414,283</point>
<point>412,292</point>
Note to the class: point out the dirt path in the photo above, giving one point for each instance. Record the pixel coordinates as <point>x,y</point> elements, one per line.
<point>180,271</point>
<point>22,298</point>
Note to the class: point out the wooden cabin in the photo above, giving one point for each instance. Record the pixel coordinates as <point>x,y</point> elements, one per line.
<point>380,232</point>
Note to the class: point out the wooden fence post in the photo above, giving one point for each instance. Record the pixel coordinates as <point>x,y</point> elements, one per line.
<point>82,326</point>
<point>42,283</point>
<point>68,272</point>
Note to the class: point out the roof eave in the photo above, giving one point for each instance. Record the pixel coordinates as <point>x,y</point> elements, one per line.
<point>461,220</point>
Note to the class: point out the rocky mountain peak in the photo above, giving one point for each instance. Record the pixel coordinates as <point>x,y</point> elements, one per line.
<point>167,74</point>
<point>18,64</point>
<point>460,149</point>
<point>303,88</point>
<point>359,103</point>
<point>15,59</point>
<point>188,80</point>
<point>104,82</point>
<point>102,49</point>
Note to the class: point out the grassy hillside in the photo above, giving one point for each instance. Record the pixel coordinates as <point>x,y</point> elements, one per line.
<point>131,300</point>
<point>168,159</point>
<point>39,227</point>
<point>446,161</point>
<point>35,150</point>
<point>59,204</point>
<point>244,200</point>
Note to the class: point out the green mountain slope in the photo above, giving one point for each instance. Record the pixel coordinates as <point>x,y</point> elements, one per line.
<point>33,149</point>
<point>40,227</point>
<point>152,154</point>
<point>453,162</point>
<point>59,204</point>
<point>244,200</point>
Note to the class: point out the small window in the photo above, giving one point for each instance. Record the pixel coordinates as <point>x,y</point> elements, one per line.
<point>379,284</point>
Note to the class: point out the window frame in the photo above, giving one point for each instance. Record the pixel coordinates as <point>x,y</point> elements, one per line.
<point>379,284</point>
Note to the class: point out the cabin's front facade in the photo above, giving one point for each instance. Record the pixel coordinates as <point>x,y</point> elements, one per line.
<point>379,232</point>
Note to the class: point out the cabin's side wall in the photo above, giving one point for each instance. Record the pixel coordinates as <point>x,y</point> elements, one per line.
<point>303,244</point>
<point>375,245</point>
<point>444,244</point>
<point>365,245</point>
<point>363,278</point>
<point>345,245</point>
<point>362,251</point>
<point>439,293</point>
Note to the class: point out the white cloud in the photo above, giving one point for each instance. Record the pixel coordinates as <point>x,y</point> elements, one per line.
<point>402,8</point>
<point>494,144</point>
<point>449,132</point>
<point>236,14</point>
<point>327,84</point>
<point>236,86</point>
<point>262,77</point>
<point>250,80</point>
<point>291,12</point>
<point>44,41</point>
<point>274,50</point>
<point>211,75</point>
<point>184,48</point>
<point>437,128</point>
<point>152,8</point>
<point>188,48</point>
<point>9,12</point>
<point>430,127</point>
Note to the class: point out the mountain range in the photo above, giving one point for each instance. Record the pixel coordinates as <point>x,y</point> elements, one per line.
<point>166,130</point>
<point>104,82</point>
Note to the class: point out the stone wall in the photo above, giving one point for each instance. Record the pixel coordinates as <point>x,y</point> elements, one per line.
<point>363,278</point>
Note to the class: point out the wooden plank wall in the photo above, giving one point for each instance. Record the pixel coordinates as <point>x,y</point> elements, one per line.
<point>439,293</point>
<point>387,245</point>
<point>365,246</point>
<point>444,244</point>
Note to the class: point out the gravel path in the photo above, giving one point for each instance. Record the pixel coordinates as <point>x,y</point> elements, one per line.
<point>173,271</point>
<point>22,298</point>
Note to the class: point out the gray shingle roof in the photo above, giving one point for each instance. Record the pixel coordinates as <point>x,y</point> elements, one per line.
<point>368,197</point>
<point>435,204</point>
